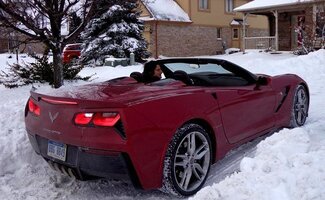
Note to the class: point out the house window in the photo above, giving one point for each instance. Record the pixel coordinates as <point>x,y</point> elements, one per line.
<point>203,4</point>
<point>235,33</point>
<point>229,5</point>
<point>219,33</point>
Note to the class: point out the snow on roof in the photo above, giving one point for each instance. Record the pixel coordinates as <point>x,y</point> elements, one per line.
<point>167,10</point>
<point>237,22</point>
<point>265,4</point>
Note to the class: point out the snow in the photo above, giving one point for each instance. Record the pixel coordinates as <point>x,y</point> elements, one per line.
<point>167,10</point>
<point>264,4</point>
<point>285,165</point>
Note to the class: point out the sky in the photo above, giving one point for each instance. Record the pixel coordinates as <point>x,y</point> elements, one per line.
<point>286,165</point>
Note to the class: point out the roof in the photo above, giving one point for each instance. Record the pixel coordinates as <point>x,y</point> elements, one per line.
<point>267,4</point>
<point>166,10</point>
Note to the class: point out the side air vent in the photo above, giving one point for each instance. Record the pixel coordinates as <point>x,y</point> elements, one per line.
<point>285,93</point>
<point>119,127</point>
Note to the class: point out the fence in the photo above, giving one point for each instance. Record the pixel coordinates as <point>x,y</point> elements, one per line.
<point>260,42</point>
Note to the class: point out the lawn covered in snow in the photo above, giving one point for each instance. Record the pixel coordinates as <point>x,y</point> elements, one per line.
<point>286,165</point>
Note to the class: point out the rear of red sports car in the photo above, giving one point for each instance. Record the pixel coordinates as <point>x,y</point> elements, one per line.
<point>104,131</point>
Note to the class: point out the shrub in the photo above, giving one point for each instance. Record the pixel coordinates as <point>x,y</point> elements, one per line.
<point>41,71</point>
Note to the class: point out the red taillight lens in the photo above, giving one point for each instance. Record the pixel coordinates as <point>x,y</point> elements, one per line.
<point>83,118</point>
<point>98,119</point>
<point>106,119</point>
<point>32,107</point>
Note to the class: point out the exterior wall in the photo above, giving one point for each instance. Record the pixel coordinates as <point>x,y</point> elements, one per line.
<point>9,42</point>
<point>185,5</point>
<point>143,9</point>
<point>216,14</point>
<point>184,40</point>
<point>200,36</point>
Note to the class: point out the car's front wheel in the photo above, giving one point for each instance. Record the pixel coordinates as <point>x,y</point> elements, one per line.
<point>187,161</point>
<point>300,107</point>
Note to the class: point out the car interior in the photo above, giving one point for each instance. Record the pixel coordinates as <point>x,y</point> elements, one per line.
<point>201,72</point>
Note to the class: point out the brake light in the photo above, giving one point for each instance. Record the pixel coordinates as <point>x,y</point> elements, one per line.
<point>83,118</point>
<point>98,119</point>
<point>106,119</point>
<point>59,101</point>
<point>32,107</point>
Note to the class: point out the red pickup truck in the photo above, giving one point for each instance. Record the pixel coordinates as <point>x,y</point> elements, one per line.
<point>71,52</point>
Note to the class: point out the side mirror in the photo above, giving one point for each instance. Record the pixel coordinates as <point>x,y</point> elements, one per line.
<point>262,80</point>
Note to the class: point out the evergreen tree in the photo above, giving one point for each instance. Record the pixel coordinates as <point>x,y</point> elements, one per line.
<point>116,31</point>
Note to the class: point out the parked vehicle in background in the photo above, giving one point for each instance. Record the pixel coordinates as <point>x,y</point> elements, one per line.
<point>71,52</point>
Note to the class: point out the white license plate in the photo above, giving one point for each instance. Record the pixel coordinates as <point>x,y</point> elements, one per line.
<point>56,150</point>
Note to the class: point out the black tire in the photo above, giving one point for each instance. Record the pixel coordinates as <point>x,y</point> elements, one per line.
<point>186,167</point>
<point>300,107</point>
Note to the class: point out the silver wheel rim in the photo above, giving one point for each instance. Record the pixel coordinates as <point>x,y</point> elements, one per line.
<point>301,106</point>
<point>192,161</point>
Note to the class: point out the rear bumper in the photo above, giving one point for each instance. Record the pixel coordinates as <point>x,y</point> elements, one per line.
<point>85,163</point>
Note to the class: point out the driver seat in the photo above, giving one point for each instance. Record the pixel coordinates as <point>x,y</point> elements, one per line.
<point>182,76</point>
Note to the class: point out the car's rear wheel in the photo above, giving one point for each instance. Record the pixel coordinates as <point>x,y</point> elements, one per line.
<point>300,107</point>
<point>187,161</point>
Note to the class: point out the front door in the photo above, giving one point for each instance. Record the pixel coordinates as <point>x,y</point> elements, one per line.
<point>297,30</point>
<point>246,111</point>
<point>235,37</point>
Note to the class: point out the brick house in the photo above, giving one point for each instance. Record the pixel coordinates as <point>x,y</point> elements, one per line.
<point>11,40</point>
<point>196,27</point>
<point>290,21</point>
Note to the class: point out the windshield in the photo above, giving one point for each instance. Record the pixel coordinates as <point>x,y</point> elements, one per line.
<point>191,68</point>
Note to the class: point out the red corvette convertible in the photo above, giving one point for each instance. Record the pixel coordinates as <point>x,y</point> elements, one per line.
<point>163,134</point>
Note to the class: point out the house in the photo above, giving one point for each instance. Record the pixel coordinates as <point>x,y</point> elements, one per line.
<point>12,41</point>
<point>292,23</point>
<point>196,27</point>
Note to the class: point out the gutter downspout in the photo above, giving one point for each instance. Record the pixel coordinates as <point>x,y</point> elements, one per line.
<point>190,9</point>
<point>244,31</point>
<point>156,39</point>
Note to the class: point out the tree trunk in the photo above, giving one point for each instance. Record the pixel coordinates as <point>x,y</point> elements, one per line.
<point>58,67</point>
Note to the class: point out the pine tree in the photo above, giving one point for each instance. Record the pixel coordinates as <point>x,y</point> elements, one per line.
<point>116,31</point>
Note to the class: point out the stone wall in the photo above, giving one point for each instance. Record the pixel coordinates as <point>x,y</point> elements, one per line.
<point>192,40</point>
<point>185,40</point>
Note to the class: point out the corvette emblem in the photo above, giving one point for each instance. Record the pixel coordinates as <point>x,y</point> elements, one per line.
<point>53,117</point>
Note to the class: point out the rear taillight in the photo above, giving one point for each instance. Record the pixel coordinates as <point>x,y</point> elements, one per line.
<point>106,119</point>
<point>97,119</point>
<point>83,118</point>
<point>32,107</point>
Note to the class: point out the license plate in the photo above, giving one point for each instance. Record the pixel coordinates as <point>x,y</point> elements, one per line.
<point>57,150</point>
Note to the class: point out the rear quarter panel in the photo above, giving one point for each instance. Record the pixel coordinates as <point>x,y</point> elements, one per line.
<point>150,127</point>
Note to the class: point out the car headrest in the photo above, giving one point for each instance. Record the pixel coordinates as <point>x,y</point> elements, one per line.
<point>183,76</point>
<point>137,76</point>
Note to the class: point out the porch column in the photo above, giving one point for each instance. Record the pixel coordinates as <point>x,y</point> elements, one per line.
<point>276,15</point>
<point>244,31</point>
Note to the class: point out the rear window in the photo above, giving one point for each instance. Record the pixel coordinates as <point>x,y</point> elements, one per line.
<point>73,47</point>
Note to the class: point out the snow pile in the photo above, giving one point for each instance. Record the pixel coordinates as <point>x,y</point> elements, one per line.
<point>288,165</point>
<point>285,165</point>
<point>166,10</point>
